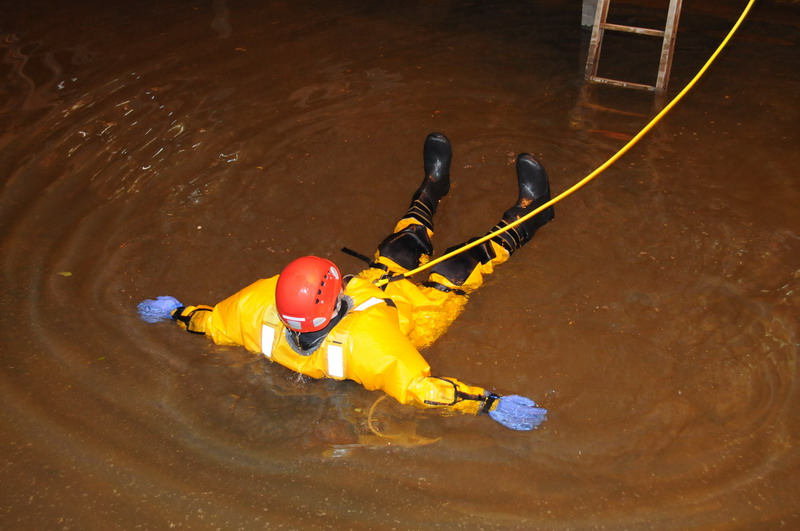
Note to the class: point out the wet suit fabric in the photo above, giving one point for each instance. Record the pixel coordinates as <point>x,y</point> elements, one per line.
<point>376,343</point>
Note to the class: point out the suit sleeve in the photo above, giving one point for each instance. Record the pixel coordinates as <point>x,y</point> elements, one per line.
<point>449,393</point>
<point>386,360</point>
<point>234,321</point>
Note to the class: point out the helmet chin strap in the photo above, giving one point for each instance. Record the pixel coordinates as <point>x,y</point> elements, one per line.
<point>309,341</point>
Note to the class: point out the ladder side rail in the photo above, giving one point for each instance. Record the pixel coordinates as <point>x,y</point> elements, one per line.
<point>668,46</point>
<point>596,42</point>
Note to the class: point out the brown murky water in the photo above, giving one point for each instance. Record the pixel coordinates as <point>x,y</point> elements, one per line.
<point>189,148</point>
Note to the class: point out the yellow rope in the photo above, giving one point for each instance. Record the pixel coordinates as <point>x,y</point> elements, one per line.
<point>600,169</point>
<point>370,418</point>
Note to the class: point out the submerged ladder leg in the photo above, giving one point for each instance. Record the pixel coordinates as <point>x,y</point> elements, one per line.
<point>668,46</point>
<point>596,41</point>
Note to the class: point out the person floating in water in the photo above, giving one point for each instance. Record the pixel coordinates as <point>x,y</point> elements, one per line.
<point>315,321</point>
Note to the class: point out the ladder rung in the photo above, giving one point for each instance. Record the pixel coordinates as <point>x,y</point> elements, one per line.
<point>632,29</point>
<point>618,83</point>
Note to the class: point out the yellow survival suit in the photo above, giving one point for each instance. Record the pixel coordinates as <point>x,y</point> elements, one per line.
<point>369,345</point>
<point>375,342</point>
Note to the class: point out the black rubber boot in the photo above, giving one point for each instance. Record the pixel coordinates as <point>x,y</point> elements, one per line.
<point>436,156</point>
<point>534,191</point>
<point>408,246</point>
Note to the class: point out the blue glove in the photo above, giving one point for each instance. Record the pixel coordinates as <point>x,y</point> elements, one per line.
<point>158,309</point>
<point>518,413</point>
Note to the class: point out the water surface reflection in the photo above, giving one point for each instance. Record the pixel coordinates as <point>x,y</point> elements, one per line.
<point>190,148</point>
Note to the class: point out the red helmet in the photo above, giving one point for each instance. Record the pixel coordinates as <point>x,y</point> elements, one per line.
<point>306,294</point>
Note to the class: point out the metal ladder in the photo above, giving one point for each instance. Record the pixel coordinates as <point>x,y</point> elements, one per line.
<point>667,48</point>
